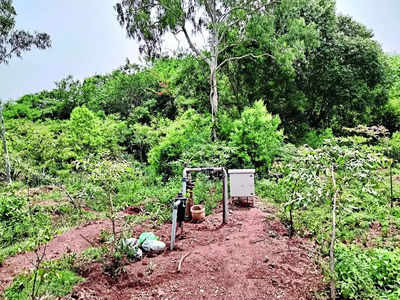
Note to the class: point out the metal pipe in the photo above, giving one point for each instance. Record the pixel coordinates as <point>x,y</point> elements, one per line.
<point>174,221</point>
<point>185,174</point>
<point>225,198</point>
<point>186,171</point>
<point>184,180</point>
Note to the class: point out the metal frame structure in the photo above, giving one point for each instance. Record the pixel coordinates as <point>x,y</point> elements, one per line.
<point>181,200</point>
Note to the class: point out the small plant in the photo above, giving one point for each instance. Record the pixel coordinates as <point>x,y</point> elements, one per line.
<point>54,279</point>
<point>367,273</point>
<point>395,145</point>
<point>107,175</point>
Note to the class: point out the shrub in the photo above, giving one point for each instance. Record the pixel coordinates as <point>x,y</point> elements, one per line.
<point>395,144</point>
<point>316,138</point>
<point>86,134</point>
<point>183,135</point>
<point>367,274</point>
<point>256,137</point>
<point>18,221</point>
<point>55,279</point>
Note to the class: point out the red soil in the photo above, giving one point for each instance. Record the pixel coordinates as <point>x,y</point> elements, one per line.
<point>68,242</point>
<point>249,258</point>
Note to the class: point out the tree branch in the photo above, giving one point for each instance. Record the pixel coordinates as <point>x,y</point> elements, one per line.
<point>250,10</point>
<point>192,46</point>
<point>243,56</point>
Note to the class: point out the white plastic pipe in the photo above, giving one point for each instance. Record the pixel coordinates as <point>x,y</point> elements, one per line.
<point>225,198</point>
<point>174,221</point>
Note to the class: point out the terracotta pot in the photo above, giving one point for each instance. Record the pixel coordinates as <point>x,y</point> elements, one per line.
<point>198,212</point>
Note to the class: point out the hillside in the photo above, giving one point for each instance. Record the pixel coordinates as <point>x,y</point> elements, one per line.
<point>304,96</point>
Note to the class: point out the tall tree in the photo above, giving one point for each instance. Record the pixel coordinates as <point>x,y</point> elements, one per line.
<point>14,42</point>
<point>340,82</point>
<point>151,21</point>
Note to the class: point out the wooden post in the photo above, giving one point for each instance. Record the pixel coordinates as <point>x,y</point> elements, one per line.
<point>391,184</point>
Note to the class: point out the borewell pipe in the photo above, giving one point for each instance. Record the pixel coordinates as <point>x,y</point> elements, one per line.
<point>185,173</point>
<point>174,221</point>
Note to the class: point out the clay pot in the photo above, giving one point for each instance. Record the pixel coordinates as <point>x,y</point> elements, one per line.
<point>198,212</point>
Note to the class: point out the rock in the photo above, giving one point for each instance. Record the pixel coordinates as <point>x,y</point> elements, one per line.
<point>131,243</point>
<point>131,248</point>
<point>153,246</point>
<point>139,253</point>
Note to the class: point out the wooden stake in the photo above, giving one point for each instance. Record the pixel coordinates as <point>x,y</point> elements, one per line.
<point>391,184</point>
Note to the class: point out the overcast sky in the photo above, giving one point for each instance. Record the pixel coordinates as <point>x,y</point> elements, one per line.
<point>87,39</point>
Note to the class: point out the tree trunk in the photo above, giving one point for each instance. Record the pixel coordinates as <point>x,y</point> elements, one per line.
<point>213,96</point>
<point>3,138</point>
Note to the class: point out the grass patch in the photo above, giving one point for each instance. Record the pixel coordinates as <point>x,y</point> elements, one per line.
<point>54,279</point>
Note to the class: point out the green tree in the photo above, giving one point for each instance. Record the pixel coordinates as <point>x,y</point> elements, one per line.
<point>14,42</point>
<point>340,80</point>
<point>182,136</point>
<point>151,21</point>
<point>256,137</point>
<point>390,117</point>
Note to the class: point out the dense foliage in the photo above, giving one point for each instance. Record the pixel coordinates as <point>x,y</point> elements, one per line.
<point>339,78</point>
<point>89,149</point>
<point>367,225</point>
<point>368,274</point>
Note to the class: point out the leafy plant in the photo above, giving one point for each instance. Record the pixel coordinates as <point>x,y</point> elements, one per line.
<point>395,145</point>
<point>367,273</point>
<point>183,135</point>
<point>56,279</point>
<point>256,138</point>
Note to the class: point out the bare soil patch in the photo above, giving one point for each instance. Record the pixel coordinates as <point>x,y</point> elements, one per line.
<point>249,258</point>
<point>67,242</point>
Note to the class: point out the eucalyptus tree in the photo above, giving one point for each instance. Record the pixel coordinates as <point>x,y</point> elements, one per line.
<point>152,21</point>
<point>14,42</point>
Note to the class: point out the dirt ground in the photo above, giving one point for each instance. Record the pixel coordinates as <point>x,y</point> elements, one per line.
<point>68,242</point>
<point>251,257</point>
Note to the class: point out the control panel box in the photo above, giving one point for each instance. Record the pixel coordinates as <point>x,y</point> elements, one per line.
<point>241,182</point>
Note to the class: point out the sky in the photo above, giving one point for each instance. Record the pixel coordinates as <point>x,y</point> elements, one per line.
<point>87,40</point>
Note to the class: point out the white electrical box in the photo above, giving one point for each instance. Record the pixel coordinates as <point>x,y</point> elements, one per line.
<point>241,182</point>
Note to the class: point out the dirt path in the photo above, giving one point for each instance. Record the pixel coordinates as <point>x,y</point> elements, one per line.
<point>67,242</point>
<point>249,258</point>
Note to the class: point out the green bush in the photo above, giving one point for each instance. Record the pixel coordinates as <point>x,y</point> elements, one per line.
<point>367,274</point>
<point>88,134</point>
<point>256,137</point>
<point>395,144</point>
<point>55,279</point>
<point>183,135</point>
<point>18,221</point>
<point>316,138</point>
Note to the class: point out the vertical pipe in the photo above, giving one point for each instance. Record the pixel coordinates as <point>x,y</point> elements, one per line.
<point>225,198</point>
<point>174,219</point>
<point>184,186</point>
